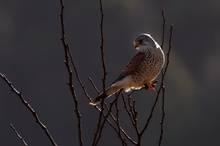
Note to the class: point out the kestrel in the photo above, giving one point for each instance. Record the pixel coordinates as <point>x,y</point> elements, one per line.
<point>142,69</point>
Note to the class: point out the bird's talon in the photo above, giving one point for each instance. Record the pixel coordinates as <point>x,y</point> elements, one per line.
<point>150,86</point>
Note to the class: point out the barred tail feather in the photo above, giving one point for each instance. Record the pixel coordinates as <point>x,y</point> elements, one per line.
<point>111,90</point>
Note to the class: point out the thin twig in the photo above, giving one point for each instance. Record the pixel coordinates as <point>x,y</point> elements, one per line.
<point>163,88</point>
<point>115,128</point>
<point>123,140</point>
<point>96,137</point>
<point>163,116</point>
<point>93,85</point>
<point>99,128</point>
<point>169,50</point>
<point>18,135</point>
<point>68,61</point>
<point>101,122</point>
<point>130,111</point>
<point>163,28</point>
<point>77,75</point>
<point>28,106</point>
<point>102,45</point>
<point>121,129</point>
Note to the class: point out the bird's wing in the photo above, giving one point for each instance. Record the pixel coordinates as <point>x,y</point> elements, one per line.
<point>132,65</point>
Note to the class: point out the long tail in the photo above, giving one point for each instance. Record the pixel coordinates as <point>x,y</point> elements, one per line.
<point>111,90</point>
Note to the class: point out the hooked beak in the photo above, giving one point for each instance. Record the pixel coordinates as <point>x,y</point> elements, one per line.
<point>136,44</point>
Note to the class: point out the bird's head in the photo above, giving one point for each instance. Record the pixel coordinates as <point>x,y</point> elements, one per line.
<point>144,41</point>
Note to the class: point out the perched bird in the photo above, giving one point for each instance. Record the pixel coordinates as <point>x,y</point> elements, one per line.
<point>142,69</point>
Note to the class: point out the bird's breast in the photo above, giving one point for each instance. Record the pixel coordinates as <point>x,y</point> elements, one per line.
<point>149,68</point>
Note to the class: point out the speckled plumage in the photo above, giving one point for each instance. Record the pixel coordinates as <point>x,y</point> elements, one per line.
<point>142,69</point>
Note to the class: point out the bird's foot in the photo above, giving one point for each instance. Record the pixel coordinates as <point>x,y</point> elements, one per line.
<point>150,86</point>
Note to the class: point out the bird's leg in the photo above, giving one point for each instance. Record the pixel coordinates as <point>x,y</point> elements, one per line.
<point>150,86</point>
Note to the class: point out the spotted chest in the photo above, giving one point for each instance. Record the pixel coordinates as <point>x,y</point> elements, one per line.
<point>150,67</point>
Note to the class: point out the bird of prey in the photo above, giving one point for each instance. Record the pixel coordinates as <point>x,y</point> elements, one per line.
<point>142,69</point>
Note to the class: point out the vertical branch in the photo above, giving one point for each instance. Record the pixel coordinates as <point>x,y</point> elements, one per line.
<point>123,141</point>
<point>163,116</point>
<point>163,28</point>
<point>98,129</point>
<point>168,53</point>
<point>99,126</point>
<point>28,106</point>
<point>68,59</point>
<point>18,135</point>
<point>163,88</point>
<point>102,45</point>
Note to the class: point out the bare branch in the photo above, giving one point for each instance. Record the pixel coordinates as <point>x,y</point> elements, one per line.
<point>77,75</point>
<point>18,135</point>
<point>163,116</point>
<point>120,130</point>
<point>94,86</point>
<point>100,125</point>
<point>163,88</point>
<point>169,50</point>
<point>131,112</point>
<point>163,28</point>
<point>102,45</point>
<point>123,140</point>
<point>115,128</point>
<point>98,129</point>
<point>68,61</point>
<point>163,76</point>
<point>28,106</point>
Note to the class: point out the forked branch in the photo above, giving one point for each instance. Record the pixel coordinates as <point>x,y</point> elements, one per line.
<point>28,106</point>
<point>68,61</point>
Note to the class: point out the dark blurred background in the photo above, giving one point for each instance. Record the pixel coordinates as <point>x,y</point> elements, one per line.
<point>31,56</point>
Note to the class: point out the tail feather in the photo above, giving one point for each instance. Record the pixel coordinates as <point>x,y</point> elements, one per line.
<point>98,99</point>
<point>111,90</point>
